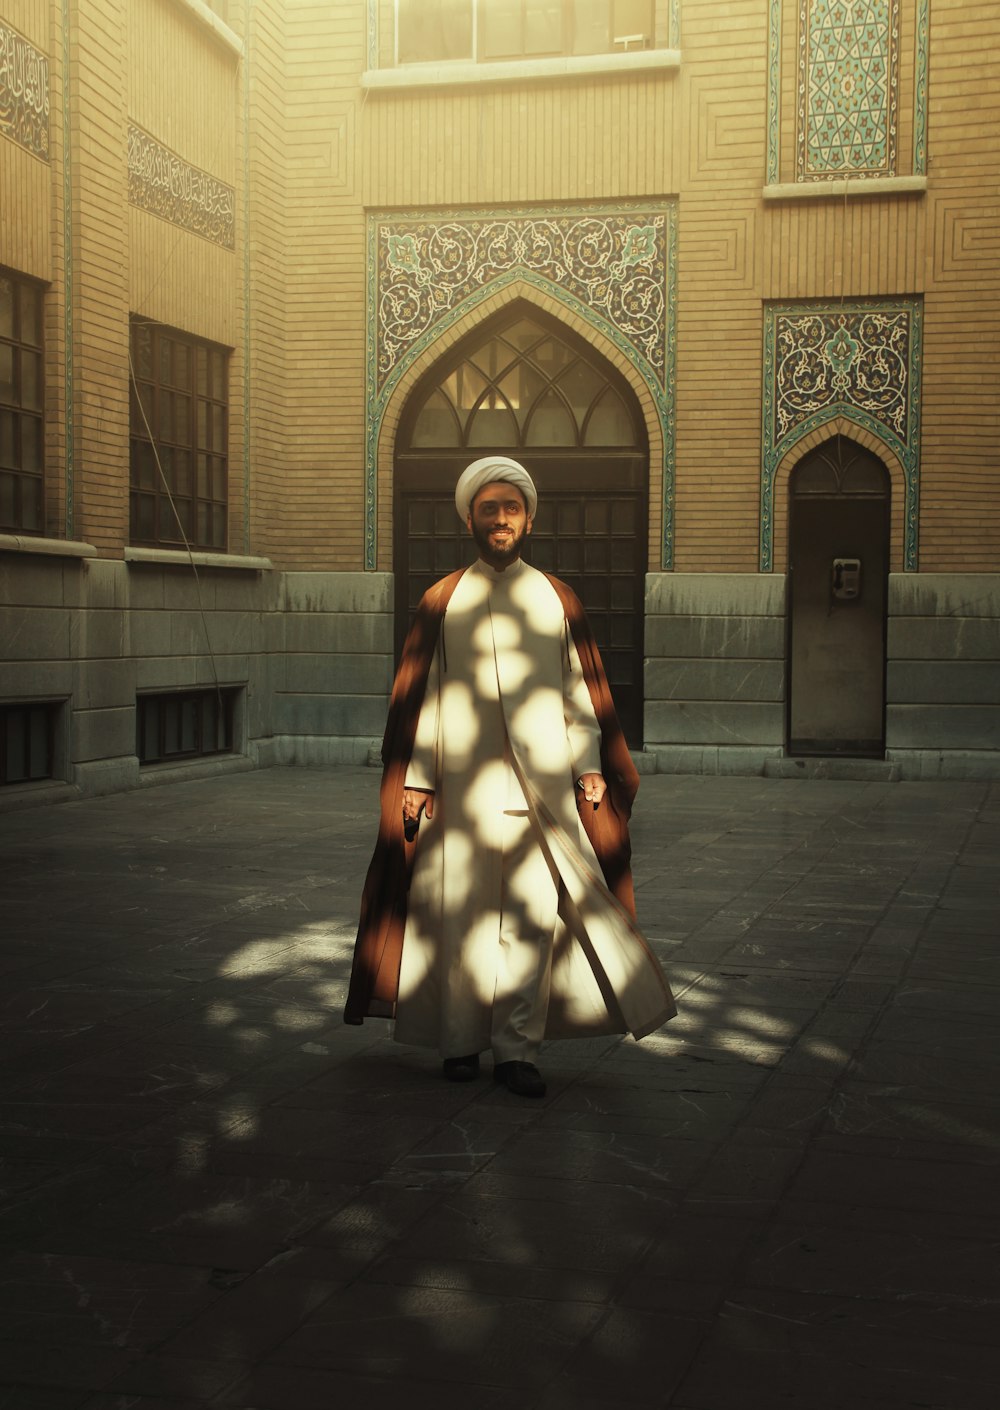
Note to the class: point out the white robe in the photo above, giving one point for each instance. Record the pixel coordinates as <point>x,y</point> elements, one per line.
<point>505,729</point>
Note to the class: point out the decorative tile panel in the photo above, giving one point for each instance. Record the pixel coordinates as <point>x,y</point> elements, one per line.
<point>24,93</point>
<point>612,265</point>
<point>859,360</point>
<point>920,94</point>
<point>167,186</point>
<point>848,88</point>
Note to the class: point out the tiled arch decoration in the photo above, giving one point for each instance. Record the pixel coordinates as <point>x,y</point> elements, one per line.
<point>606,269</point>
<point>852,367</point>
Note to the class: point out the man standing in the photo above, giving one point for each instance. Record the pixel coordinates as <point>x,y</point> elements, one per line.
<point>508,917</point>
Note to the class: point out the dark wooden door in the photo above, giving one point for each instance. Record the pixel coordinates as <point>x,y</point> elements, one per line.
<point>838,579</point>
<point>523,385</point>
<point>593,538</point>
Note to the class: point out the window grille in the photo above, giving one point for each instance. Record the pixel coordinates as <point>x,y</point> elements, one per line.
<point>22,459</point>
<point>184,725</point>
<point>27,734</point>
<point>179,439</point>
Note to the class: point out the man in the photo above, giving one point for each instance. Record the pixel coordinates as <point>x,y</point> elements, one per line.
<point>509,916</point>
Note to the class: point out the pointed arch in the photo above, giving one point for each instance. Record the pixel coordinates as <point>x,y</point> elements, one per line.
<point>842,423</point>
<point>611,265</point>
<point>844,343</point>
<point>384,419</point>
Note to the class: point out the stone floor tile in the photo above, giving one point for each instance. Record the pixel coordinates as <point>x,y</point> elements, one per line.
<point>915,1073</point>
<point>633,1356</point>
<point>930,1270</point>
<point>180,1096</point>
<point>247,1321</point>
<point>177,1378</point>
<point>634,1109</point>
<point>112,1400</point>
<point>771,1348</point>
<point>40,1398</point>
<point>274,1387</point>
<point>689,1248</point>
<point>747,1179</point>
<point>950,1223</point>
<point>603,1157</point>
<point>33,1366</point>
<point>59,1301</point>
<point>532,1233</point>
<point>511,1277</point>
<point>418,1334</point>
<point>882,1179</point>
<point>647,1292</point>
<point>971,1128</point>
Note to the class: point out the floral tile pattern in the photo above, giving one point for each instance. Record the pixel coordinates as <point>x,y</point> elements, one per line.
<point>860,360</point>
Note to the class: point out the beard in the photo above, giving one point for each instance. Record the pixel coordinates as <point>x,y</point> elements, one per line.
<point>499,553</point>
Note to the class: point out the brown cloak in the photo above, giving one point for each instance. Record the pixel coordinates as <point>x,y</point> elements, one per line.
<point>375,973</point>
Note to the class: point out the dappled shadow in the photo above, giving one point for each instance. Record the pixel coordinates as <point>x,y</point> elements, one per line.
<point>214,1192</point>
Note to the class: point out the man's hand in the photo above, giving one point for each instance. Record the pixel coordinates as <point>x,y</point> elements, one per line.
<point>417,801</point>
<point>593,786</point>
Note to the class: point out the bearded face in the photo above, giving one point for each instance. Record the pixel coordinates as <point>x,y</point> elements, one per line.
<point>499,522</point>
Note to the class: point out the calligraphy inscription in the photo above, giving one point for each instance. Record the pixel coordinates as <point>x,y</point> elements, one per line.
<point>162,183</point>
<point>24,93</point>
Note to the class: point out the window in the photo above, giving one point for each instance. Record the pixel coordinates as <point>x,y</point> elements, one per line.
<point>429,31</point>
<point>523,388</point>
<point>184,725</point>
<point>179,435</point>
<point>21,384</point>
<point>27,734</point>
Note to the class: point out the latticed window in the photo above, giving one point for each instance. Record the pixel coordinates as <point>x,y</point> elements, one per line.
<point>528,386</point>
<point>21,387</point>
<point>26,741</point>
<point>492,30</point>
<point>524,388</point>
<point>179,429</point>
<point>184,725</point>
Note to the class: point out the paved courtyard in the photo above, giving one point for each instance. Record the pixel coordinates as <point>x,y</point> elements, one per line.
<point>215,1194</point>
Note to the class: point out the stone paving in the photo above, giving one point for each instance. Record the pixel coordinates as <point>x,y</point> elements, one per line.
<point>215,1194</point>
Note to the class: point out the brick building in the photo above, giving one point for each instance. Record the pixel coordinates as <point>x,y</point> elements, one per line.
<point>725,276</point>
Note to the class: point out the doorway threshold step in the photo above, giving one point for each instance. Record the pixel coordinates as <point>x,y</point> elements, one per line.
<point>844,770</point>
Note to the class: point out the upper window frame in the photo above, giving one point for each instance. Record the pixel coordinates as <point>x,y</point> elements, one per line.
<point>477,20</point>
<point>387,70</point>
<point>147,430</point>
<point>21,415</point>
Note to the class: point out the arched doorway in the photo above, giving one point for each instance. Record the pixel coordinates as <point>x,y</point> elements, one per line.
<point>838,576</point>
<point>524,385</point>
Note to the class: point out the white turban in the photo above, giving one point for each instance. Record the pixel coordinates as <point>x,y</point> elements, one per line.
<point>485,472</point>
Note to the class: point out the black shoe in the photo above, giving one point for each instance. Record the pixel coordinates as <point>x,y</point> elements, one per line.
<point>462,1069</point>
<point>521,1078</point>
